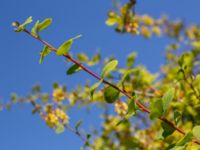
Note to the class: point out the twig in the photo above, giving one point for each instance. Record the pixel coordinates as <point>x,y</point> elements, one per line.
<point>139,104</point>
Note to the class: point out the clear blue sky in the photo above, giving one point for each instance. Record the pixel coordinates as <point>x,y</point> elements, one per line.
<point>19,68</point>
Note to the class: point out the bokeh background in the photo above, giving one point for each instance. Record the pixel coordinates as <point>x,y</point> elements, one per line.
<point>19,55</point>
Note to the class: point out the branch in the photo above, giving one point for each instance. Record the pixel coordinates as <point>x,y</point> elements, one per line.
<point>139,104</point>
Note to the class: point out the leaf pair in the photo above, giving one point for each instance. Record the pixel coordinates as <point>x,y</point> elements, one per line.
<point>41,26</point>
<point>62,50</point>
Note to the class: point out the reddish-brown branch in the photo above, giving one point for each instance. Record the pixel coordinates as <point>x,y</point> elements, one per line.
<point>139,104</point>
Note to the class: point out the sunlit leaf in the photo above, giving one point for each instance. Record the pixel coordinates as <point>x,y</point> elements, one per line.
<point>65,47</point>
<point>126,74</point>
<point>111,94</point>
<point>156,108</point>
<point>110,66</point>
<point>177,117</point>
<point>73,69</point>
<point>41,26</point>
<point>167,98</point>
<point>183,142</point>
<point>82,57</point>
<point>131,108</point>
<point>46,50</point>
<point>94,87</point>
<point>95,59</point>
<point>111,21</point>
<point>34,29</point>
<point>131,59</point>
<point>196,132</point>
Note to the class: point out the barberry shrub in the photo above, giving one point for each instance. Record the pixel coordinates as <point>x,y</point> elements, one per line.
<point>152,111</point>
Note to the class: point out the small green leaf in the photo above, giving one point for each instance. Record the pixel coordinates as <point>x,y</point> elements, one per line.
<point>65,47</point>
<point>167,129</point>
<point>43,25</point>
<point>126,74</point>
<point>28,20</point>
<point>94,87</point>
<point>82,57</point>
<point>110,66</point>
<point>95,59</point>
<point>46,50</point>
<point>34,29</point>
<point>156,109</point>
<point>111,94</point>
<point>60,129</point>
<point>73,69</point>
<point>196,132</point>
<point>131,108</point>
<point>111,21</point>
<point>187,138</point>
<point>177,117</point>
<point>183,142</point>
<point>167,98</point>
<point>78,124</point>
<point>131,59</point>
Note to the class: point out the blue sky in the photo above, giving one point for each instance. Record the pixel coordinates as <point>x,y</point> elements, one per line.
<point>19,68</point>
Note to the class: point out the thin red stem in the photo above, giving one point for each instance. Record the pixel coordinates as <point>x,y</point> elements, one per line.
<point>139,104</point>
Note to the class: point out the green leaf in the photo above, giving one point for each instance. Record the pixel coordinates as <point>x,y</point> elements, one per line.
<point>60,129</point>
<point>73,69</point>
<point>65,47</point>
<point>156,108</point>
<point>23,25</point>
<point>110,66</point>
<point>78,124</point>
<point>183,142</point>
<point>94,87</point>
<point>177,117</point>
<point>187,138</point>
<point>126,74</point>
<point>111,21</point>
<point>167,98</point>
<point>167,129</point>
<point>46,50</point>
<point>95,59</point>
<point>111,94</point>
<point>82,57</point>
<point>43,25</point>
<point>196,132</point>
<point>34,29</point>
<point>28,21</point>
<point>131,108</point>
<point>131,59</point>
